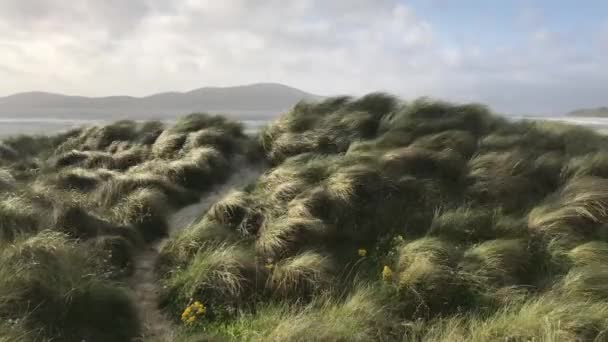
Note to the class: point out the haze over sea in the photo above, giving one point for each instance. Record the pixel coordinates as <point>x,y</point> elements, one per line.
<point>596,123</point>
<point>16,126</point>
<point>12,126</point>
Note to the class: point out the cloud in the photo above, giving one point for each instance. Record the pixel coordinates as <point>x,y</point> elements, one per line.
<point>325,45</point>
<point>113,16</point>
<point>138,47</point>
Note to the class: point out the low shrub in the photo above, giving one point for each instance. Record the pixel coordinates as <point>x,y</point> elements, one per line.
<point>46,284</point>
<point>75,209</point>
<point>589,253</point>
<point>427,279</point>
<point>168,145</point>
<point>112,191</point>
<point>465,224</point>
<point>18,216</point>
<point>504,262</point>
<point>378,220</point>
<point>547,318</point>
<point>460,141</point>
<point>581,204</point>
<point>145,210</point>
<point>361,316</point>
<point>587,165</point>
<point>300,276</point>
<point>588,282</point>
<point>223,278</point>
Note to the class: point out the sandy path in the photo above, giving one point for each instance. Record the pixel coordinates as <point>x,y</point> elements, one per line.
<point>143,283</point>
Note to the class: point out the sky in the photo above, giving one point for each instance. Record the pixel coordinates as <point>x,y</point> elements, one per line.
<point>519,56</point>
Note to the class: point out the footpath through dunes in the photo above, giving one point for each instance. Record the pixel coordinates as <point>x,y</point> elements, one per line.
<point>81,216</point>
<point>156,326</point>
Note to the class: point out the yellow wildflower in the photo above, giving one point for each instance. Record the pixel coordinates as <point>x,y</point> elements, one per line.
<point>200,308</point>
<point>186,313</point>
<point>269,267</point>
<point>362,252</point>
<point>192,311</point>
<point>387,273</point>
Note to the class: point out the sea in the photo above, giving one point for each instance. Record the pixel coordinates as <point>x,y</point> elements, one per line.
<point>598,124</point>
<point>46,126</point>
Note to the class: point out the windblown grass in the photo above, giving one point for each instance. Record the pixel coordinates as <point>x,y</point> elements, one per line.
<point>76,207</point>
<point>48,284</point>
<point>465,226</point>
<point>379,220</point>
<point>361,316</point>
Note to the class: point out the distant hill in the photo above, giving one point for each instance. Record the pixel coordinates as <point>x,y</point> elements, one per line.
<point>591,112</point>
<point>261,100</point>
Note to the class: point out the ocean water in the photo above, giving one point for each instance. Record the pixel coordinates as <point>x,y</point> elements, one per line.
<point>11,127</point>
<point>595,123</point>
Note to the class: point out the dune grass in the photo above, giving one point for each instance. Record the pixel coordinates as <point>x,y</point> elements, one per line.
<point>50,287</point>
<point>76,207</point>
<point>379,220</point>
<point>456,224</point>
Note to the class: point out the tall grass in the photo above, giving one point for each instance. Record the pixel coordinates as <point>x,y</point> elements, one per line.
<point>379,220</point>
<point>465,226</point>
<point>48,285</point>
<point>75,208</point>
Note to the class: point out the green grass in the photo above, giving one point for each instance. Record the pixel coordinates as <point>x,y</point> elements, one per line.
<point>49,285</point>
<point>483,228</point>
<point>76,207</point>
<point>378,220</point>
<point>361,316</point>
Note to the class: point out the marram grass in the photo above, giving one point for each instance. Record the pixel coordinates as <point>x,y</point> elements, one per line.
<point>75,208</point>
<point>463,226</point>
<point>378,220</point>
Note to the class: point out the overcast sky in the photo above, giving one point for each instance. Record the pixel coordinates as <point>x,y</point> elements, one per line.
<point>517,56</point>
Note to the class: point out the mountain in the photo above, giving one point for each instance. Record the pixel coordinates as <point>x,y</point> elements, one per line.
<point>601,112</point>
<point>261,100</point>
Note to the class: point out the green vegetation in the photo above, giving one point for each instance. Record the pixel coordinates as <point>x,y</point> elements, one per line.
<point>76,207</point>
<point>382,220</point>
<point>378,220</point>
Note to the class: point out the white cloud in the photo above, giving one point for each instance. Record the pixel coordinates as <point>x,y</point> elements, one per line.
<point>138,47</point>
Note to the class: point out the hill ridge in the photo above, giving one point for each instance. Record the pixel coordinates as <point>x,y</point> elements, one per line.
<point>270,98</point>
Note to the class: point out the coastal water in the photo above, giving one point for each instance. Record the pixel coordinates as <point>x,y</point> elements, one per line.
<point>10,127</point>
<point>598,124</point>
